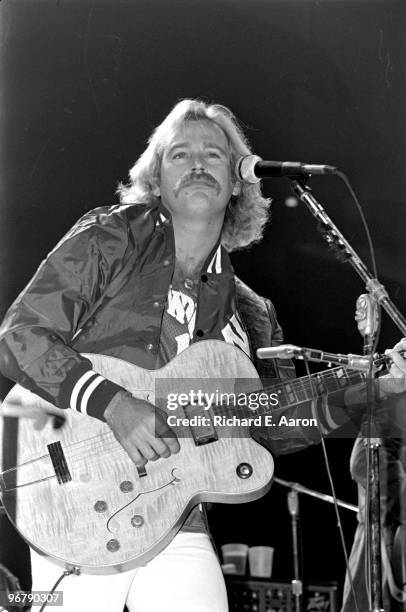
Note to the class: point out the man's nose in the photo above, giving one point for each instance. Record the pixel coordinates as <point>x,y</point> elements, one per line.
<point>198,162</point>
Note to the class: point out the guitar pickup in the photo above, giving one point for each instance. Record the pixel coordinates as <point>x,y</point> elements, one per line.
<point>59,462</point>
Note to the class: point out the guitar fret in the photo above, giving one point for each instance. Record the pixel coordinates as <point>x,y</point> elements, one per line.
<point>319,384</point>
<point>283,396</point>
<point>338,380</point>
<point>342,378</point>
<point>291,393</point>
<point>304,390</point>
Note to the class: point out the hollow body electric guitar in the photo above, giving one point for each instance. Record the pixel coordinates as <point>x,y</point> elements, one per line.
<point>74,494</point>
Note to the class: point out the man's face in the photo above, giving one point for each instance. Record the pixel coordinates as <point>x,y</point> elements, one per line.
<point>195,177</point>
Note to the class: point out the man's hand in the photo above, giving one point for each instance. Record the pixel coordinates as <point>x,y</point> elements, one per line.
<point>395,380</point>
<point>141,429</point>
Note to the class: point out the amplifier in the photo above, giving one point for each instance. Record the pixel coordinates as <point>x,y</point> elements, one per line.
<point>258,595</point>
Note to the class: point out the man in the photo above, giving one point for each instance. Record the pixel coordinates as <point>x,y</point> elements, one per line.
<point>141,282</point>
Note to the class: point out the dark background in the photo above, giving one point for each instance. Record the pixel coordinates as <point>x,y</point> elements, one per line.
<point>83,85</point>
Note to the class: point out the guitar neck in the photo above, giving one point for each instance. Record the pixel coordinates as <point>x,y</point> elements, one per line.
<point>296,391</point>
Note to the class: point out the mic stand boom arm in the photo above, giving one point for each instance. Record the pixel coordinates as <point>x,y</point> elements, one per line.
<point>334,237</point>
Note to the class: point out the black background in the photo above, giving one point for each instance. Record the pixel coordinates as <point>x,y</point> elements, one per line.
<point>83,85</point>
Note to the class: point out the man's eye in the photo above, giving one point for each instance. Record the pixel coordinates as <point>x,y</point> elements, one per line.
<point>214,154</point>
<point>179,155</point>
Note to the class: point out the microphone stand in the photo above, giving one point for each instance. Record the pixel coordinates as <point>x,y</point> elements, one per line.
<point>368,322</point>
<point>336,240</point>
<point>295,486</point>
<point>293,507</point>
<point>297,584</point>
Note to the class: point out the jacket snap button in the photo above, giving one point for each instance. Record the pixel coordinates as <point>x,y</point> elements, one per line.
<point>150,347</point>
<point>155,304</point>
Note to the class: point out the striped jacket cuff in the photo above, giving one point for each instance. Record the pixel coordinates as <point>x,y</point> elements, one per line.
<point>88,392</point>
<point>92,393</point>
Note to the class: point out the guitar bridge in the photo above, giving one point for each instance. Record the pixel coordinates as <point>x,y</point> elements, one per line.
<point>59,462</point>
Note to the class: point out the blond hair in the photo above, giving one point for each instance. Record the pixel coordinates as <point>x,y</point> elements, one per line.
<point>246,214</point>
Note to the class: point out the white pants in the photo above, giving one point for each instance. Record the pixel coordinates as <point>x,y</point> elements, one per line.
<point>184,577</point>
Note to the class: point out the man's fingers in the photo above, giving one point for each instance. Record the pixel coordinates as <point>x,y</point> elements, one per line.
<point>138,459</point>
<point>162,428</point>
<point>141,428</point>
<point>160,447</point>
<point>166,433</point>
<point>173,445</point>
<point>164,441</point>
<point>146,449</point>
<point>399,346</point>
<point>398,366</point>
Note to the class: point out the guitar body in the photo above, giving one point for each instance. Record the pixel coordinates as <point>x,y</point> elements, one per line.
<point>107,517</point>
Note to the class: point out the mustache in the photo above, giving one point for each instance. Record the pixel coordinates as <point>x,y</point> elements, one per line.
<point>201,177</point>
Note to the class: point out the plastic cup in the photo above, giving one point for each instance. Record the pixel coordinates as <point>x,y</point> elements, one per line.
<point>228,568</point>
<point>260,561</point>
<point>235,554</point>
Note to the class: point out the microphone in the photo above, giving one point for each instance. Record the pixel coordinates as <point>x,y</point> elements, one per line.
<point>251,169</point>
<point>287,351</point>
<point>283,351</point>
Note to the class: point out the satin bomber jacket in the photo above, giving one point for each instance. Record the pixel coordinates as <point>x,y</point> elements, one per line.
<point>103,289</point>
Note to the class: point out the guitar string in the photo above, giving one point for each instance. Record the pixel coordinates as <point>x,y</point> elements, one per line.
<point>296,384</point>
<point>84,441</point>
<point>231,408</point>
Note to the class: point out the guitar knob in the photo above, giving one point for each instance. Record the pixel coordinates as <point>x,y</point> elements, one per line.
<point>244,470</point>
<point>137,520</point>
<point>113,545</point>
<point>100,506</point>
<point>126,486</point>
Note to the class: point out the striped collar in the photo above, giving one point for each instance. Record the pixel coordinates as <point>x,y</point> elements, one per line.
<point>162,219</point>
<point>215,263</point>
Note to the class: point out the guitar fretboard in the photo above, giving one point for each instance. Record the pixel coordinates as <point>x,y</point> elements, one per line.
<point>295,391</point>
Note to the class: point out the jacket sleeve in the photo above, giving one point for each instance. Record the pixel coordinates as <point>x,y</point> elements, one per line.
<point>301,425</point>
<point>297,427</point>
<point>36,333</point>
<point>285,368</point>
